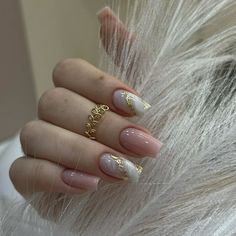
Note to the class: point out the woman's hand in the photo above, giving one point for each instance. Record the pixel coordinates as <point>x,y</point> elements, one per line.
<point>60,156</point>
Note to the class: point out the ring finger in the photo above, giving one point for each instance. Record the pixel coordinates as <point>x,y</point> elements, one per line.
<point>76,152</point>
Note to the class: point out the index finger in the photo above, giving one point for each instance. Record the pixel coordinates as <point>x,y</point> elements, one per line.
<point>83,78</point>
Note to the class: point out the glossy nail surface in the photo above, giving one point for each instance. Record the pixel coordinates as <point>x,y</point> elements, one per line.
<point>130,103</point>
<point>120,167</point>
<point>79,179</point>
<point>139,142</point>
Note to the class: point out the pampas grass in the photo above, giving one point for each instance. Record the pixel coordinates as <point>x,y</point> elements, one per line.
<point>188,74</point>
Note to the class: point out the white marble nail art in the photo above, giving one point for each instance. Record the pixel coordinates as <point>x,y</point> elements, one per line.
<point>120,167</point>
<point>130,103</point>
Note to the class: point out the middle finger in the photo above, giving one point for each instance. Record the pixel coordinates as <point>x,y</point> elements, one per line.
<point>69,110</point>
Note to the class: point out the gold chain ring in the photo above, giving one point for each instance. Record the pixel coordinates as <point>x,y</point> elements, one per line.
<point>96,114</point>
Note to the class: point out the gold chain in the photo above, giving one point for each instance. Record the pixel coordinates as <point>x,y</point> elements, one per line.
<point>96,114</point>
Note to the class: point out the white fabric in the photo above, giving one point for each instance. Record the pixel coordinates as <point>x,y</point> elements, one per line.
<point>9,151</point>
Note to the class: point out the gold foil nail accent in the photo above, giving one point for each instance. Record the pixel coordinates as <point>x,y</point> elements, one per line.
<point>130,98</point>
<point>145,105</point>
<point>139,168</point>
<point>120,164</point>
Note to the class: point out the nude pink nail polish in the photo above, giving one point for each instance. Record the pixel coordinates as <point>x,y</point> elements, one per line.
<point>139,142</point>
<point>106,12</point>
<point>79,179</point>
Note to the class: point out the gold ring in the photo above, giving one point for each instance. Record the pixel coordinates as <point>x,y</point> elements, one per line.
<point>96,114</point>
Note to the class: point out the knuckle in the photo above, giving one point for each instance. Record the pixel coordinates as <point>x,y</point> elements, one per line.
<point>48,100</point>
<point>26,132</point>
<point>14,170</point>
<point>63,67</point>
<point>60,69</point>
<point>43,101</point>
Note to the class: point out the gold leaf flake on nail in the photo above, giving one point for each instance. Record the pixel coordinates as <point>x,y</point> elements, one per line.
<point>145,105</point>
<point>129,98</point>
<point>120,164</point>
<point>139,168</point>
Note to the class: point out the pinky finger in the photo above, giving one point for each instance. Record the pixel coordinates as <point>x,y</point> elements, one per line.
<point>30,175</point>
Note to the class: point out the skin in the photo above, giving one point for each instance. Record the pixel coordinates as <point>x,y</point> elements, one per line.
<point>56,140</point>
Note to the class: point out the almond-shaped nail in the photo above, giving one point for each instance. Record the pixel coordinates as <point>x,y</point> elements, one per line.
<point>130,103</point>
<point>79,179</point>
<point>106,12</point>
<point>120,167</point>
<point>139,142</point>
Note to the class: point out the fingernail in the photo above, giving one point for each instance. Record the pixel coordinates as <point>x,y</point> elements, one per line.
<point>79,179</point>
<point>130,103</point>
<point>139,142</point>
<point>106,11</point>
<point>120,167</point>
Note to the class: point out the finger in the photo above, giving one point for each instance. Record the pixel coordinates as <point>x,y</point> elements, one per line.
<point>114,35</point>
<point>30,175</point>
<point>55,144</point>
<point>123,47</point>
<point>69,110</point>
<point>81,77</point>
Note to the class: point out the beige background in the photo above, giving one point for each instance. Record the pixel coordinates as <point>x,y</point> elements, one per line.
<point>35,35</point>
<point>57,29</point>
<point>17,100</point>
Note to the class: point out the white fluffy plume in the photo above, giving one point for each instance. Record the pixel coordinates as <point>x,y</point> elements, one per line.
<point>185,66</point>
